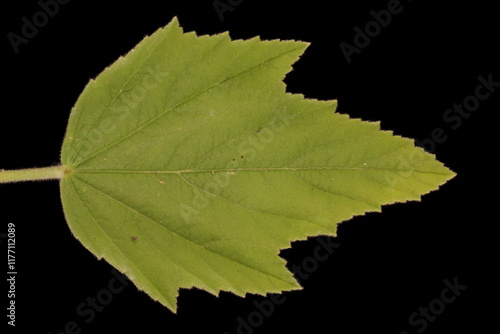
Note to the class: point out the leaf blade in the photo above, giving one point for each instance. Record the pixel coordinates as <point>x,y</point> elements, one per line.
<point>202,180</point>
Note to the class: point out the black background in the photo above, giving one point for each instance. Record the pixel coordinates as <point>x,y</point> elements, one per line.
<point>388,264</point>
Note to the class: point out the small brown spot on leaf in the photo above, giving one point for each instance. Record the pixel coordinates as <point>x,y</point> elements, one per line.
<point>133,238</point>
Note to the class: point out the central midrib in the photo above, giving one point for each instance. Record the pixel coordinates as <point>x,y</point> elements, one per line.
<point>249,169</point>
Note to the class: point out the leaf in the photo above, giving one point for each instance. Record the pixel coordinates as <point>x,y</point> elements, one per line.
<point>190,166</point>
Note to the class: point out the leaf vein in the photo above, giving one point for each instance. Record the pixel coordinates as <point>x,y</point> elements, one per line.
<point>245,207</point>
<point>180,236</point>
<point>112,241</point>
<point>189,98</point>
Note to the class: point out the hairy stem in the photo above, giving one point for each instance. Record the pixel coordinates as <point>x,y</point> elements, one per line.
<point>33,174</point>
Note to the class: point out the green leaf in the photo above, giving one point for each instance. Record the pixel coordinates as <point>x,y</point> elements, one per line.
<point>190,166</point>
